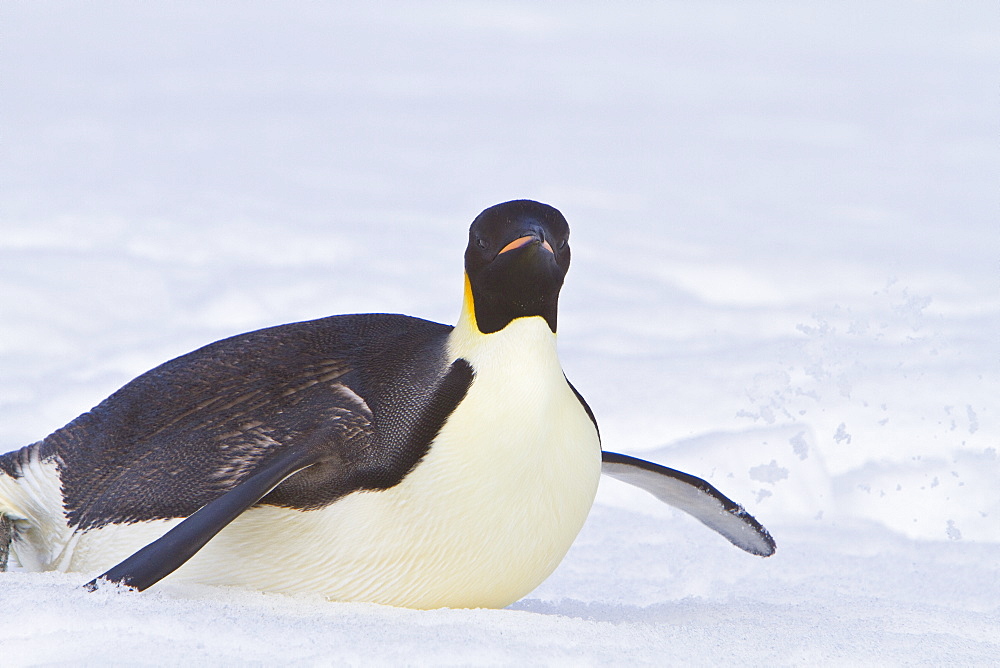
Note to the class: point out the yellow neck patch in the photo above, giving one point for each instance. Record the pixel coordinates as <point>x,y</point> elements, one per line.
<point>466,339</point>
<point>468,315</point>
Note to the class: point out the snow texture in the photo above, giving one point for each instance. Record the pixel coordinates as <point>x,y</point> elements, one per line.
<point>785,281</point>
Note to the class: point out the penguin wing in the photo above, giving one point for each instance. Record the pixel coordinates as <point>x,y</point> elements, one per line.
<point>163,556</point>
<point>695,497</point>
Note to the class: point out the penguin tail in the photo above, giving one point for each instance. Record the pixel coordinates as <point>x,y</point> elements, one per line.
<point>7,481</point>
<point>30,507</point>
<point>6,538</point>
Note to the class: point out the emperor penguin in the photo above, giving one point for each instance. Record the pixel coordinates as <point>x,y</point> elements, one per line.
<point>374,457</point>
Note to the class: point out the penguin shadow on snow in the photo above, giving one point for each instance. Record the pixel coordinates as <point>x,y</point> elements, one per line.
<point>674,614</point>
<point>377,458</point>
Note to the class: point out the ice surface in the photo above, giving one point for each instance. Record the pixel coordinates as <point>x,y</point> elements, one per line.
<point>785,282</point>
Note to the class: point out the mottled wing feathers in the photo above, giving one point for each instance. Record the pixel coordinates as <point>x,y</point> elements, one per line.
<point>695,497</point>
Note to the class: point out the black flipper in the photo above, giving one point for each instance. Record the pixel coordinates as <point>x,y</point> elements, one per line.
<point>169,552</point>
<point>695,497</point>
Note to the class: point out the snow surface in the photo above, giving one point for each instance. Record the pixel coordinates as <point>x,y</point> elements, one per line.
<point>785,280</point>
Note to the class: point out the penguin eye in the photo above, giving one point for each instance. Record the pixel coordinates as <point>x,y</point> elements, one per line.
<point>482,243</point>
<point>562,244</point>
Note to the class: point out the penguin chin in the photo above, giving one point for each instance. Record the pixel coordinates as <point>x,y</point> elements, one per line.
<point>519,283</point>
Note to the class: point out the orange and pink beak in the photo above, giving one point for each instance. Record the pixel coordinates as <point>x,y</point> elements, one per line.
<point>524,241</point>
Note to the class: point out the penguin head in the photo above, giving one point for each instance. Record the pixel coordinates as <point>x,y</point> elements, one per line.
<point>517,257</point>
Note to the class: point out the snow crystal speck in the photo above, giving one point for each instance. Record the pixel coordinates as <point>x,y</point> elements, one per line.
<point>769,473</point>
<point>799,445</point>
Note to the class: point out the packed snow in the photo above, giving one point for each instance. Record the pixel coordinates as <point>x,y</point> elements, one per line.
<point>785,281</point>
